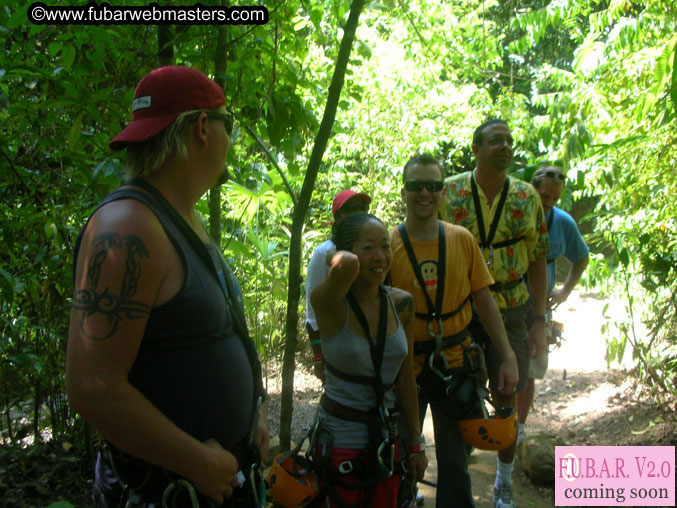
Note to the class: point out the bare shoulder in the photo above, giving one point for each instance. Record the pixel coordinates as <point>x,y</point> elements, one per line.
<point>128,222</point>
<point>124,254</point>
<point>126,265</point>
<point>402,299</point>
<point>125,215</point>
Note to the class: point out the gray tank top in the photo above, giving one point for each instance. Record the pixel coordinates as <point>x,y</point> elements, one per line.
<point>350,353</point>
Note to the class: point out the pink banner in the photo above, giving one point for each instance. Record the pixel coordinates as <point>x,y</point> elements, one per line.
<point>615,475</point>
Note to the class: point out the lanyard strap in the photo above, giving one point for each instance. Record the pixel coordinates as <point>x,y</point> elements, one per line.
<point>376,350</point>
<point>435,311</point>
<point>484,240</point>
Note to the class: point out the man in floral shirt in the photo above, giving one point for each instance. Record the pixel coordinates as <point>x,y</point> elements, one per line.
<point>506,217</point>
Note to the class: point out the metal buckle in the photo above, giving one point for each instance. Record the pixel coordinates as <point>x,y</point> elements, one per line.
<point>475,357</point>
<point>345,467</point>
<point>491,255</point>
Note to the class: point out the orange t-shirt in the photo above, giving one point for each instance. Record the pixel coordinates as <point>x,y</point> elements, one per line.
<point>466,272</point>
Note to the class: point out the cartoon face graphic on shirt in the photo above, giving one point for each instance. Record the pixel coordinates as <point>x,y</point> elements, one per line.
<point>429,273</point>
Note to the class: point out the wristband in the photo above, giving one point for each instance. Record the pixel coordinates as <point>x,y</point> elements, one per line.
<point>539,317</point>
<point>315,342</point>
<point>417,445</point>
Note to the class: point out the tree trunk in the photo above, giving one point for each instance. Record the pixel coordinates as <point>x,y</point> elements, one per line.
<point>165,48</point>
<point>300,210</point>
<point>220,65</point>
<point>36,411</point>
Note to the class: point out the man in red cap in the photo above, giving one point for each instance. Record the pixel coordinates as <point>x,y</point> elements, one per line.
<point>159,360</point>
<point>345,203</point>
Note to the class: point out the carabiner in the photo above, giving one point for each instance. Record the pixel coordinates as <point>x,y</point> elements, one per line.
<point>435,370</point>
<point>475,357</point>
<point>390,468</point>
<point>384,414</point>
<point>429,329</point>
<point>436,336</point>
<point>186,485</point>
<point>253,485</point>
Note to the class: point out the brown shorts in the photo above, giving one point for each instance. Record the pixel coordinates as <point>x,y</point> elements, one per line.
<point>517,327</point>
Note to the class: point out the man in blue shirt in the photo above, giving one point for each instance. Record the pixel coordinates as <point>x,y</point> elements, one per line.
<point>565,240</point>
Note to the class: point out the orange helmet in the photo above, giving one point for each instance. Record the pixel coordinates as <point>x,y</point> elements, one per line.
<point>495,432</point>
<point>292,480</point>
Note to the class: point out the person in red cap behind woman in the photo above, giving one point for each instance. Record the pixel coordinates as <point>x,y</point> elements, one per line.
<point>345,203</point>
<point>159,358</point>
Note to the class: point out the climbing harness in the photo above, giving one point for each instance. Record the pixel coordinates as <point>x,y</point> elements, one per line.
<point>378,460</point>
<point>433,349</point>
<point>485,241</point>
<point>148,486</point>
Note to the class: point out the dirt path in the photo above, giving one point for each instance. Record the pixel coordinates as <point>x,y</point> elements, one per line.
<point>580,400</point>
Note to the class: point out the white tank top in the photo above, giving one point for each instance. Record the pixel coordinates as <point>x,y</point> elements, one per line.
<point>350,353</point>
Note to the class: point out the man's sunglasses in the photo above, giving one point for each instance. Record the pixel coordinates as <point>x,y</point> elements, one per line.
<point>417,185</point>
<point>225,118</point>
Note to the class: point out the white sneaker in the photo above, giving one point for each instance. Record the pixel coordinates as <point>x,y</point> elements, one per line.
<point>503,497</point>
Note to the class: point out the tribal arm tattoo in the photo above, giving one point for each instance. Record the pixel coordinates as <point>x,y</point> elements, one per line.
<point>95,302</point>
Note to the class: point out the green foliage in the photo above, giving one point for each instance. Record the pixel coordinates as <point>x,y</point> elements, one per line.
<point>590,83</point>
<point>632,169</point>
<point>58,108</point>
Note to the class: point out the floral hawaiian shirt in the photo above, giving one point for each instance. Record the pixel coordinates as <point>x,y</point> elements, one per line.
<point>522,216</point>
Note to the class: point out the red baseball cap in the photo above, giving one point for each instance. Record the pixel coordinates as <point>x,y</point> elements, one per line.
<point>346,195</point>
<point>161,96</point>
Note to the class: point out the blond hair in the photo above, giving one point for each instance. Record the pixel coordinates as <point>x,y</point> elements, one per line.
<point>146,157</point>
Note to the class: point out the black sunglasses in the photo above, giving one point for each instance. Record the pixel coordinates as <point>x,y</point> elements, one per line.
<point>417,185</point>
<point>225,118</point>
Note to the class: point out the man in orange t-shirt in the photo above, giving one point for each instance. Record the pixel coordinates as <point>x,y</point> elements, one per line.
<point>460,276</point>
